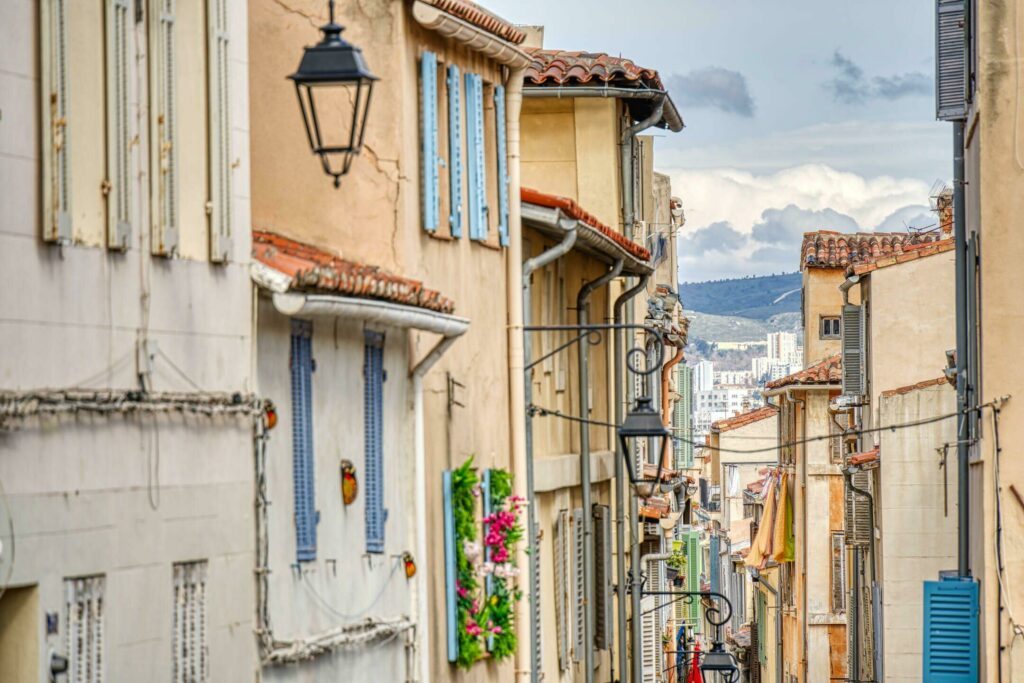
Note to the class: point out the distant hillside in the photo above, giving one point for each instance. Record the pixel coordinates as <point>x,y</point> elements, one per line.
<point>757,298</point>
<point>735,328</point>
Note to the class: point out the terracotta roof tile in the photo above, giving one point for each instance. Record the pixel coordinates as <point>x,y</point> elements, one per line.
<point>910,253</point>
<point>313,269</point>
<point>830,249</point>
<point>474,14</point>
<point>744,419</point>
<point>571,208</point>
<point>858,459</point>
<point>914,387</point>
<point>828,371</point>
<point>563,67</point>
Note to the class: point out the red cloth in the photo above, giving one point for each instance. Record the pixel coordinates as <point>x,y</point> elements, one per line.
<point>695,674</point>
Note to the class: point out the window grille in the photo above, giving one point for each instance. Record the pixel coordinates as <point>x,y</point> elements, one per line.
<point>83,619</point>
<point>189,650</point>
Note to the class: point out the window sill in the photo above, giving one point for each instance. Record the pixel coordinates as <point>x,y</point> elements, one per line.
<point>487,245</point>
<point>441,238</point>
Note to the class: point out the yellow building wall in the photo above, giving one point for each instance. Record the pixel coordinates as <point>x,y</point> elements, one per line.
<point>20,627</point>
<point>995,203</point>
<point>548,126</point>
<point>821,297</point>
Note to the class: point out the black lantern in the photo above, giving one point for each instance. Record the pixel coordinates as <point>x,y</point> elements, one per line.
<point>717,660</point>
<point>334,86</point>
<point>643,422</point>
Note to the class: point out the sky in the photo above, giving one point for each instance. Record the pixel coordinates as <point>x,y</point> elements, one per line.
<point>800,115</point>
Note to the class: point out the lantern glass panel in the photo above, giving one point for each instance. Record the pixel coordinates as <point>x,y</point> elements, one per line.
<point>335,119</point>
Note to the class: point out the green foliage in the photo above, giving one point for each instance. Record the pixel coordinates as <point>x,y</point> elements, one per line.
<point>749,297</point>
<point>464,481</point>
<point>677,560</point>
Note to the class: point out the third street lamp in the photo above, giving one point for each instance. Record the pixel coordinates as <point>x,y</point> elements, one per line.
<point>643,422</point>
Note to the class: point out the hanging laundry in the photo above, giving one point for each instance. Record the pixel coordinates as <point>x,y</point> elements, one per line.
<point>783,541</point>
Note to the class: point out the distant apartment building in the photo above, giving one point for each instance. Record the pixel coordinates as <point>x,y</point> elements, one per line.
<point>703,376</point>
<point>734,378</point>
<point>782,347</point>
<point>720,403</point>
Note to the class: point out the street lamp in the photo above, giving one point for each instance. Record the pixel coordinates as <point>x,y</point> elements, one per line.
<point>643,422</point>
<point>334,86</point>
<point>719,661</point>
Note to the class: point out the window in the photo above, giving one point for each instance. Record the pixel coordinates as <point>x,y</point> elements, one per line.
<point>302,439</point>
<point>838,572</point>
<point>83,619</point>
<point>830,327</point>
<point>188,640</point>
<point>373,433</point>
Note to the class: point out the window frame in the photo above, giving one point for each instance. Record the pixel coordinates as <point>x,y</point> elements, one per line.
<point>823,322</point>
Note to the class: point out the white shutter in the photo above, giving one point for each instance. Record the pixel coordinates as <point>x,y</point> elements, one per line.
<point>189,648</point>
<point>859,525</point>
<point>55,144</point>
<point>219,111</point>
<point>650,642</point>
<point>838,572</point>
<point>562,555</point>
<point>83,628</point>
<point>578,592</point>
<point>119,137</point>
<point>163,132</point>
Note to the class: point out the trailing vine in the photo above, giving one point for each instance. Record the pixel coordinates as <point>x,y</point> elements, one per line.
<point>485,620</point>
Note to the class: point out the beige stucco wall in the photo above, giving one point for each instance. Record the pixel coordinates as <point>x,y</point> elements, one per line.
<point>20,629</point>
<point>821,297</point>
<point>759,435</point>
<point>918,536</point>
<point>995,202</point>
<point>911,322</point>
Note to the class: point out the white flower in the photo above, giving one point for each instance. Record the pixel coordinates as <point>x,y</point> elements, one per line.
<point>471,550</point>
<point>487,568</point>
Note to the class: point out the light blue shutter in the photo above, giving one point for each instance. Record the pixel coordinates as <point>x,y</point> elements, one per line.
<point>715,568</point>
<point>499,119</point>
<point>475,157</point>
<point>455,150</point>
<point>950,631</point>
<point>302,439</point>
<point>373,429</point>
<point>485,495</point>
<point>450,595</point>
<point>428,119</point>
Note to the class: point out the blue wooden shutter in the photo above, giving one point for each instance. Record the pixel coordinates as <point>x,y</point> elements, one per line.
<point>428,120</point>
<point>499,119</point>
<point>475,157</point>
<point>455,150</point>
<point>713,570</point>
<point>302,439</point>
<point>373,430</point>
<point>950,631</point>
<point>485,496</point>
<point>450,576</point>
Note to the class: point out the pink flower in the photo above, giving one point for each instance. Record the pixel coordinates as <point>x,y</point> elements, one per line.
<point>473,628</point>
<point>475,607</point>
<point>463,593</point>
<point>500,555</point>
<point>496,630</point>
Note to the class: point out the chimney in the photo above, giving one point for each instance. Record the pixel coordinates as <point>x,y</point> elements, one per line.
<point>944,207</point>
<point>534,36</point>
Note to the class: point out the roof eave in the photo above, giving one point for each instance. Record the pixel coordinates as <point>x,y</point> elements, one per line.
<point>831,386</point>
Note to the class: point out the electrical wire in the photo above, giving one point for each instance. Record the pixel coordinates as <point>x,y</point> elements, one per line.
<point>342,615</point>
<point>544,412</point>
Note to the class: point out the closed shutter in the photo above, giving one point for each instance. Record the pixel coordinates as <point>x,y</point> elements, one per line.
<point>189,661</point>
<point>950,61</point>
<point>428,133</point>
<point>455,150</point>
<point>715,561</point>
<point>55,145</point>
<point>119,137</point>
<point>163,128</point>
<point>694,564</point>
<point>485,499</point>
<point>859,525</point>
<point>578,591</point>
<point>838,572</point>
<point>650,641</point>
<point>562,556</point>
<point>302,439</point>
<point>853,350</point>
<point>219,112</point>
<point>83,628</point>
<point>373,431</point>
<point>680,608</point>
<point>475,157</point>
<point>450,569</point>
<point>602,577</point>
<point>499,118</point>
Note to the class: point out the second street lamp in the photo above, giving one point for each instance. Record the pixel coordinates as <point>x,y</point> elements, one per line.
<point>334,87</point>
<point>643,422</point>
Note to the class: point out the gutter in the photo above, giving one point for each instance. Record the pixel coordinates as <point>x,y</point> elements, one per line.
<point>474,38</point>
<point>369,310</point>
<point>672,118</point>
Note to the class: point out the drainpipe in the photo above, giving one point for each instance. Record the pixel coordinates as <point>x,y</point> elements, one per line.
<point>962,356</point>
<point>778,623</point>
<point>666,416</point>
<point>583,349</point>
<point>621,489</point>
<point>803,482</point>
<point>516,376</point>
<point>849,282</point>
<point>529,267</point>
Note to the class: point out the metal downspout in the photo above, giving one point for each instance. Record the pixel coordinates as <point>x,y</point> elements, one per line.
<point>962,356</point>
<point>622,490</point>
<point>666,417</point>
<point>778,626</point>
<point>535,263</point>
<point>803,483</point>
<point>584,392</point>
